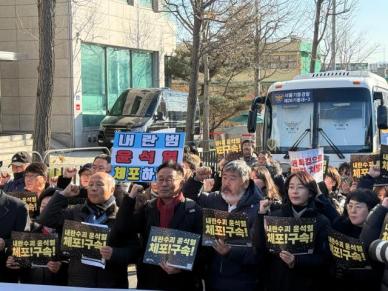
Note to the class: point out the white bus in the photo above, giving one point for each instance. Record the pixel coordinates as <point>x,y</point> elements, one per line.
<point>341,111</point>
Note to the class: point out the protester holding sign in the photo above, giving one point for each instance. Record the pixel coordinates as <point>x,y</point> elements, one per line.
<point>232,267</point>
<point>13,217</point>
<point>100,208</point>
<point>370,236</point>
<point>169,210</point>
<point>358,205</point>
<point>55,272</point>
<point>287,271</point>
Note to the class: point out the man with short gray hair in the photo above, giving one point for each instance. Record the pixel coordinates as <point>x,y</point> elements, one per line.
<point>99,208</point>
<point>233,268</point>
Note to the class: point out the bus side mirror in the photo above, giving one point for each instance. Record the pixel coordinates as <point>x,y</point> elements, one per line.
<point>252,119</point>
<point>382,117</point>
<point>252,114</point>
<point>378,96</point>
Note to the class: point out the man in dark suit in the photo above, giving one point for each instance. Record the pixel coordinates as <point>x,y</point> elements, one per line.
<point>13,217</point>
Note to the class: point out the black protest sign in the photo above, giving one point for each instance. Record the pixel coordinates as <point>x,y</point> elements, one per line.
<point>290,234</point>
<point>348,252</point>
<point>83,239</point>
<point>383,179</point>
<point>29,198</point>
<point>230,227</point>
<point>384,230</point>
<point>176,248</point>
<point>30,249</point>
<point>360,164</point>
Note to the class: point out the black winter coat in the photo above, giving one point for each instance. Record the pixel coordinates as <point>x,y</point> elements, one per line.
<point>353,279</point>
<point>187,217</point>
<point>115,273</point>
<point>371,232</point>
<point>13,217</point>
<point>309,269</point>
<point>239,269</point>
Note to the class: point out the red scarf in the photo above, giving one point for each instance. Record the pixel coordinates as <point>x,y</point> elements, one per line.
<point>167,210</point>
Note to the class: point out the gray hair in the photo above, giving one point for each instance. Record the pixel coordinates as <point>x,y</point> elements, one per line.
<point>240,167</point>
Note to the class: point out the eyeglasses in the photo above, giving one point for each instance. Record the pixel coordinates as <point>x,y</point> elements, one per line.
<point>356,207</point>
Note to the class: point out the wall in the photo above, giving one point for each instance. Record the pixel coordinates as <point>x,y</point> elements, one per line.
<point>107,22</point>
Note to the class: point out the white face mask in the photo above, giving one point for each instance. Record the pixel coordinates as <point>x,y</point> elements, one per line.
<point>232,200</point>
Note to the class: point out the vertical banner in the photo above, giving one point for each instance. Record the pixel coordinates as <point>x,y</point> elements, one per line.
<point>175,247</point>
<point>33,249</point>
<point>296,236</point>
<point>310,161</point>
<point>348,252</point>
<point>136,156</point>
<point>231,227</point>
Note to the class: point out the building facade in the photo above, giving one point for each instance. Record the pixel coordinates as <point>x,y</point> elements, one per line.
<point>102,47</point>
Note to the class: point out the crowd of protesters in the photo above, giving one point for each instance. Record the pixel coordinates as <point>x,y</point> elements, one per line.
<point>249,183</point>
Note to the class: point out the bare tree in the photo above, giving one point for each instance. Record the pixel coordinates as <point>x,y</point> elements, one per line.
<point>323,11</point>
<point>351,46</point>
<point>42,126</point>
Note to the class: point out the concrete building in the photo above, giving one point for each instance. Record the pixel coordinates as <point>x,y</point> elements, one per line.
<point>101,48</point>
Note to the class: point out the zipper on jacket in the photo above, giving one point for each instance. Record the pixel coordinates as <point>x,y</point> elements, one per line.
<point>221,266</point>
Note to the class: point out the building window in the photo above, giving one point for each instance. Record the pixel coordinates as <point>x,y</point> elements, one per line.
<point>142,70</point>
<point>106,72</point>
<point>146,3</point>
<point>93,85</point>
<point>119,73</point>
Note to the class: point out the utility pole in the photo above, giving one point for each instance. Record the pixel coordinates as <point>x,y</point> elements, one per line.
<point>333,36</point>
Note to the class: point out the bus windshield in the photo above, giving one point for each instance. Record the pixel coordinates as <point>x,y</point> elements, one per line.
<point>343,114</point>
<point>135,103</point>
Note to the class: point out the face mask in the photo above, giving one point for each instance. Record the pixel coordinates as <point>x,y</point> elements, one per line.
<point>18,175</point>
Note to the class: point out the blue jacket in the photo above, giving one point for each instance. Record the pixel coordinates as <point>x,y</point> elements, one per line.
<point>238,270</point>
<point>16,185</point>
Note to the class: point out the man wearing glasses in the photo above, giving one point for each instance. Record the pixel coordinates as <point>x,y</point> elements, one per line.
<point>169,210</point>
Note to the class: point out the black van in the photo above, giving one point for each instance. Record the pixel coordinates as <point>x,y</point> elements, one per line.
<point>146,110</point>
